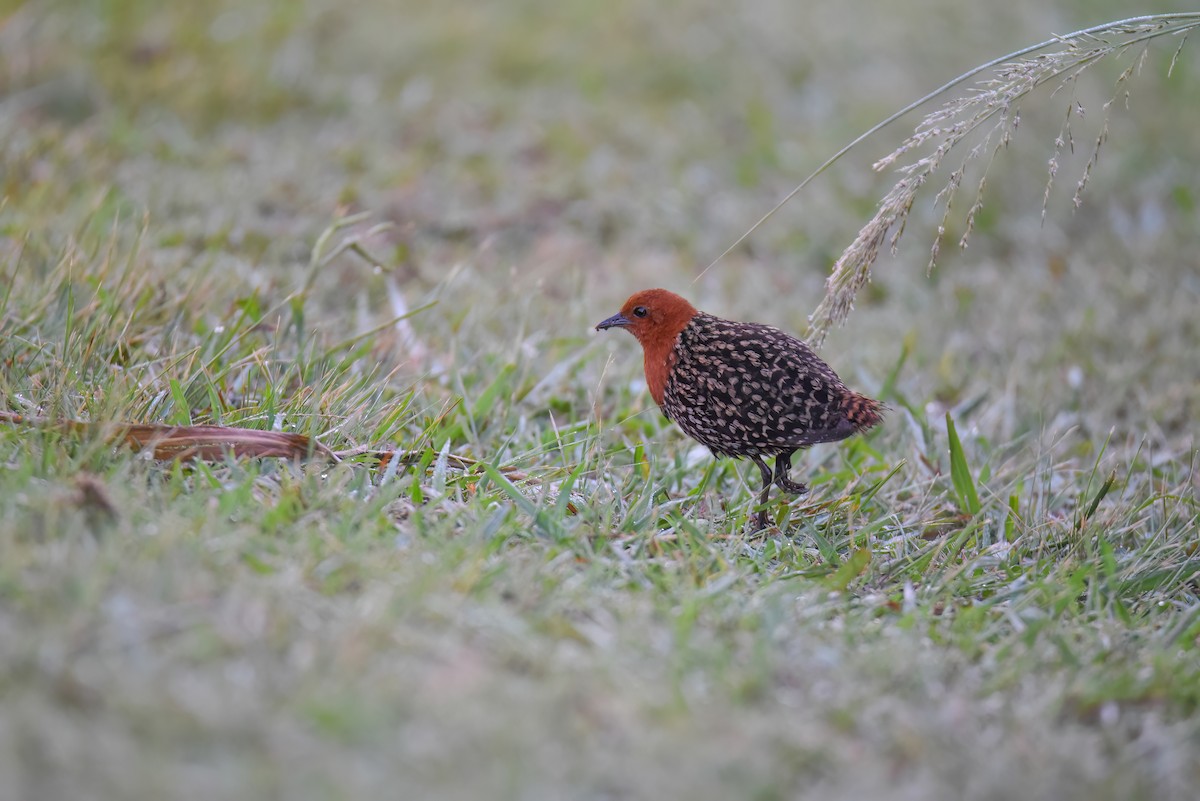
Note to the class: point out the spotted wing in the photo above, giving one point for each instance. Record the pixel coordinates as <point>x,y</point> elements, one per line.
<point>743,389</point>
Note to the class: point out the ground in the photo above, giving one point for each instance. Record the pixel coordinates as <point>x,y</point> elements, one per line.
<point>392,226</point>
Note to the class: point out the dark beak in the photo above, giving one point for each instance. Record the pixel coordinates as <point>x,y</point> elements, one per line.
<point>618,320</point>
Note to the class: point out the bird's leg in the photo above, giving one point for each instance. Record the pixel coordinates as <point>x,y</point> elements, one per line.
<point>760,519</point>
<point>783,463</point>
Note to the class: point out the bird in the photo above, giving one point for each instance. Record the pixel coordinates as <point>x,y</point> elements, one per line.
<point>741,389</point>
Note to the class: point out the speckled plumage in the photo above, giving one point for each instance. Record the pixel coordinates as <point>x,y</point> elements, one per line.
<point>741,389</point>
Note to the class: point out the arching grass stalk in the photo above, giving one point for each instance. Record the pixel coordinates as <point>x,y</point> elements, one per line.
<point>991,102</point>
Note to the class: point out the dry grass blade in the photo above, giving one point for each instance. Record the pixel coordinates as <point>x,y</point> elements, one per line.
<point>208,443</point>
<point>183,443</point>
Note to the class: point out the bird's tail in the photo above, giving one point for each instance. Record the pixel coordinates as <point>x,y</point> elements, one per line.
<point>863,412</point>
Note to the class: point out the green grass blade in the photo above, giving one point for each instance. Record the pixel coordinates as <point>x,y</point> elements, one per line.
<point>960,472</point>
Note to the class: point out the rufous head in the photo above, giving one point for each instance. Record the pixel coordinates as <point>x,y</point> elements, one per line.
<point>652,315</point>
<point>655,317</point>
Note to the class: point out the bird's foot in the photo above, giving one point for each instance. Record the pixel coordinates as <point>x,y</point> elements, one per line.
<point>794,487</point>
<point>783,463</point>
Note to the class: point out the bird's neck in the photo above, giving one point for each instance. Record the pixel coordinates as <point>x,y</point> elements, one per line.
<point>659,356</point>
<point>658,363</point>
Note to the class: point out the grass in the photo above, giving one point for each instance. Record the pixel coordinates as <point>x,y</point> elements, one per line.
<point>392,229</point>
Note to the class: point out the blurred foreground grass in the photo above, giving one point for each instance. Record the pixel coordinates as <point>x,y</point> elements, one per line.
<point>559,599</point>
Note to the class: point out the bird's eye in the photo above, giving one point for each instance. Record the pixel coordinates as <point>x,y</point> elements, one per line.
<point>639,311</point>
